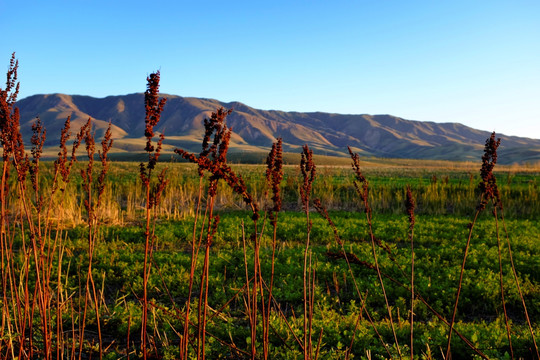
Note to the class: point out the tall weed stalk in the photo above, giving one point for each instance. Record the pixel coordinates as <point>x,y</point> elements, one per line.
<point>350,258</point>
<point>489,194</point>
<point>26,296</point>
<point>362,188</point>
<point>520,292</point>
<point>213,159</point>
<point>14,154</point>
<point>274,176</point>
<point>308,170</point>
<point>409,205</point>
<point>94,192</point>
<point>152,187</point>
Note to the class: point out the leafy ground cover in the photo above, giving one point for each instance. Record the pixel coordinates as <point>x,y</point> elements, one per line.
<point>439,244</point>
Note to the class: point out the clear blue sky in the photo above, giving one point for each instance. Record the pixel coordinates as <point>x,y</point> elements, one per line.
<point>473,62</point>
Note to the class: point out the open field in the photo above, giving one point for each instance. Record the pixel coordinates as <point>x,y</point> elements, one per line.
<point>446,200</point>
<point>337,306</point>
<point>168,260</point>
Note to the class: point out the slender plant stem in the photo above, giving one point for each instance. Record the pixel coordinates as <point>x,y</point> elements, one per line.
<point>501,284</point>
<point>412,292</point>
<point>194,254</point>
<point>145,275</point>
<point>307,344</point>
<point>462,270</point>
<point>519,287</point>
<point>374,252</point>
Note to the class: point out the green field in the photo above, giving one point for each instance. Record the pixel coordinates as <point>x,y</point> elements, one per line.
<point>306,258</point>
<point>446,201</point>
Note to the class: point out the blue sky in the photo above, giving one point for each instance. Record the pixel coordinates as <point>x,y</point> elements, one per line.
<point>473,62</point>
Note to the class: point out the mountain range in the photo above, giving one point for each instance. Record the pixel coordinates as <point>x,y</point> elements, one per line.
<point>182,123</point>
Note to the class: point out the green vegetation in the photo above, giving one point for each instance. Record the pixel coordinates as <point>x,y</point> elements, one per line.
<point>211,260</point>
<point>438,247</point>
<point>440,235</point>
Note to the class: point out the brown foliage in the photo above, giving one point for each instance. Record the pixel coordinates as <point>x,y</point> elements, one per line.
<point>308,169</point>
<point>410,205</point>
<point>213,158</point>
<point>274,175</point>
<point>362,191</point>
<point>488,185</point>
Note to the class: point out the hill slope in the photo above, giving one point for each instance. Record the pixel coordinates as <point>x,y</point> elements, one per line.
<point>255,130</point>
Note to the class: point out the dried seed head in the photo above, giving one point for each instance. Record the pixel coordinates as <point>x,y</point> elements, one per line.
<point>142,173</point>
<point>356,166</point>
<point>37,140</point>
<point>274,175</point>
<point>10,137</point>
<point>86,174</point>
<point>216,127</point>
<point>153,106</point>
<point>212,230</point>
<point>213,158</point>
<point>8,96</point>
<point>106,145</point>
<point>61,165</point>
<point>488,185</point>
<point>20,158</point>
<point>158,190</point>
<point>308,170</point>
<point>360,184</point>
<point>153,109</point>
<point>410,204</point>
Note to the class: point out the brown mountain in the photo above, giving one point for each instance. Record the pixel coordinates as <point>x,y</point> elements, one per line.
<point>255,130</point>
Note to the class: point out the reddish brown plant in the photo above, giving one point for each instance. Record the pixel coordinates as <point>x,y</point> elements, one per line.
<point>410,205</point>
<point>213,158</point>
<point>274,175</point>
<point>488,185</point>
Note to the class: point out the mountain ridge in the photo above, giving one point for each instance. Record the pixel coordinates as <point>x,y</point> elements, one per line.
<point>254,129</point>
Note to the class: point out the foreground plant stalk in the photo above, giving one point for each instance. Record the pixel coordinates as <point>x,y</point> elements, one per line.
<point>213,159</point>
<point>489,193</point>
<point>363,192</point>
<point>307,167</point>
<point>274,176</point>
<point>409,205</point>
<point>152,189</point>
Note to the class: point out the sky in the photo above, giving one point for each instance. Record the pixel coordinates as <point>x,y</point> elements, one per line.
<point>476,62</point>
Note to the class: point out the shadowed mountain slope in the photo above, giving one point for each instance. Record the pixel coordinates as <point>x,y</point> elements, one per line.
<point>255,130</point>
